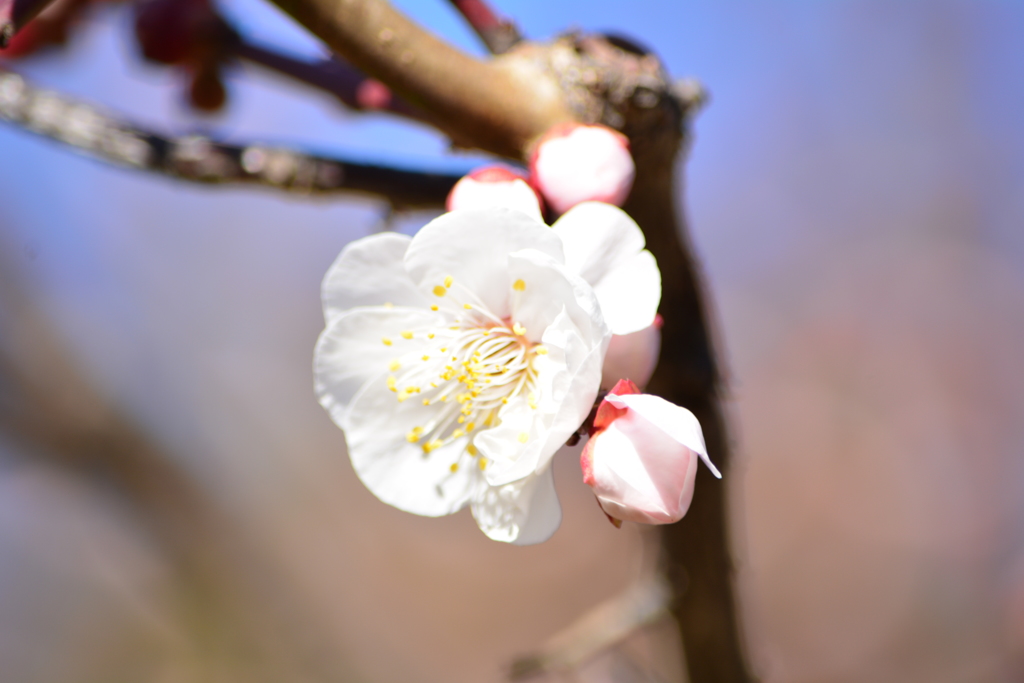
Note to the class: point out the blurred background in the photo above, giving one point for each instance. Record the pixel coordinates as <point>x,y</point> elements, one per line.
<point>856,193</point>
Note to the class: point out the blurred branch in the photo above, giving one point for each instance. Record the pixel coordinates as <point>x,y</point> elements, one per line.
<point>354,89</point>
<point>600,627</point>
<point>499,35</point>
<point>499,106</point>
<point>198,159</point>
<point>14,14</point>
<point>234,607</point>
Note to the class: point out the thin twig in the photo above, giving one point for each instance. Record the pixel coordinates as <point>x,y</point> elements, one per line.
<point>354,89</point>
<point>500,106</point>
<point>196,158</point>
<point>498,34</point>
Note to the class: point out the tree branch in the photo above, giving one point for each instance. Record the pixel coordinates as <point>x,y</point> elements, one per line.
<point>499,35</point>
<point>198,159</point>
<point>499,107</point>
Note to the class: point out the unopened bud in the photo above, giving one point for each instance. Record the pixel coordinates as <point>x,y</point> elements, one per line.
<point>575,163</point>
<point>495,186</point>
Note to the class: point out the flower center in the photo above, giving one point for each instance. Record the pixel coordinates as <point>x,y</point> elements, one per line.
<point>469,370</point>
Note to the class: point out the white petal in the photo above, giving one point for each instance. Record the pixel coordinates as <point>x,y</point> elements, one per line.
<point>631,356</point>
<point>370,272</point>
<point>397,471</point>
<point>472,247</point>
<point>597,238</point>
<point>470,193</point>
<point>548,290</point>
<point>351,351</point>
<point>523,512</point>
<point>679,423</point>
<point>630,294</point>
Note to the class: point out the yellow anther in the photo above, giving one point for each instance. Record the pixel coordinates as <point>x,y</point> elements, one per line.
<point>489,422</point>
<point>468,307</point>
<point>532,400</point>
<point>387,342</point>
<point>426,401</point>
<point>444,398</point>
<point>394,365</point>
<point>471,449</point>
<point>541,350</point>
<point>444,349</point>
<point>470,426</point>
<point>412,437</point>
<point>433,307</point>
<point>519,329</point>
<point>457,433</point>
<point>430,336</point>
<point>407,334</point>
<point>426,357</point>
<point>523,437</point>
<point>448,281</point>
<point>388,304</point>
<point>392,383</point>
<point>483,463</point>
<point>454,467</point>
<point>462,418</point>
<point>519,285</point>
<point>505,400</point>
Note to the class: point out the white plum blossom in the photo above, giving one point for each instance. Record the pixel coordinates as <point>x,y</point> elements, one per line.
<point>641,459</point>
<point>459,360</point>
<point>495,186</point>
<point>574,163</point>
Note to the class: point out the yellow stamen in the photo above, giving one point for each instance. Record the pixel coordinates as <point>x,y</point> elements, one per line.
<point>519,329</point>
<point>387,342</point>
<point>468,307</point>
<point>523,437</point>
<point>440,291</point>
<point>407,334</point>
<point>433,307</point>
<point>483,463</point>
<point>470,426</point>
<point>454,467</point>
<point>448,281</point>
<point>392,383</point>
<point>519,285</point>
<point>394,365</point>
<point>457,433</point>
<point>471,449</point>
<point>426,357</point>
<point>430,336</point>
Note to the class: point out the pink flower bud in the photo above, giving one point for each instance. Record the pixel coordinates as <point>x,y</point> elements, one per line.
<point>495,186</point>
<point>641,459</point>
<point>573,163</point>
<point>632,356</point>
